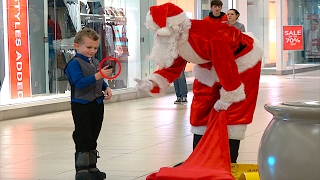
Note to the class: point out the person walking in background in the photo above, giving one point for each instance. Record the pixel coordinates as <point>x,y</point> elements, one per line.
<point>88,90</point>
<point>216,15</point>
<point>180,86</point>
<point>233,16</point>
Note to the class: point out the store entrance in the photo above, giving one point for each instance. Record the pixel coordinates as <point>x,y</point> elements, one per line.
<point>311,21</point>
<point>307,14</point>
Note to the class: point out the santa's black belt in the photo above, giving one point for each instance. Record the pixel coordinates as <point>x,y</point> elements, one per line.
<point>239,49</point>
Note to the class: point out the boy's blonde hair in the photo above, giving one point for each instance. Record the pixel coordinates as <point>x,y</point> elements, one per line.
<point>86,32</point>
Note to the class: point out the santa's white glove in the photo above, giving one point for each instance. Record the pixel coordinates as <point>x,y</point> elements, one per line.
<point>221,105</point>
<point>145,85</point>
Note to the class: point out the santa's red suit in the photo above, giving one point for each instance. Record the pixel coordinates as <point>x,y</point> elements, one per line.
<point>227,70</point>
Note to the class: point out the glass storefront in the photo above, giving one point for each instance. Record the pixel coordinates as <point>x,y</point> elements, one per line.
<point>306,13</point>
<point>40,44</point>
<point>64,19</point>
<point>36,41</point>
<point>36,38</point>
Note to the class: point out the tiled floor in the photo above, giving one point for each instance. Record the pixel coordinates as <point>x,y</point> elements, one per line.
<point>138,136</point>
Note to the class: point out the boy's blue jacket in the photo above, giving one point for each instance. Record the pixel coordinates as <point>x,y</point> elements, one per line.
<point>76,78</point>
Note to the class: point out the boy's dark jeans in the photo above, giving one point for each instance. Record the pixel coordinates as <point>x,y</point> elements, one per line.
<point>87,120</point>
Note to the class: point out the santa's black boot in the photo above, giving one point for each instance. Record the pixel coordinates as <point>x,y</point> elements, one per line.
<point>93,170</point>
<point>234,145</point>
<point>196,140</point>
<point>82,163</point>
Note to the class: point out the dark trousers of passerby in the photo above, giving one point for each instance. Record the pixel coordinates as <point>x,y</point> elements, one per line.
<point>180,86</point>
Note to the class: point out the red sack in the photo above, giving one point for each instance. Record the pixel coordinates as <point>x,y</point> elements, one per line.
<point>210,160</point>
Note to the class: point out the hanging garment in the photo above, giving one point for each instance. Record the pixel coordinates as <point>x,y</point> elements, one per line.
<point>95,7</point>
<point>124,41</point>
<point>110,40</point>
<point>55,29</point>
<point>74,13</point>
<point>118,43</point>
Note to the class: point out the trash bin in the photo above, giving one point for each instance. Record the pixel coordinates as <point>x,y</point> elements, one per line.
<point>290,146</point>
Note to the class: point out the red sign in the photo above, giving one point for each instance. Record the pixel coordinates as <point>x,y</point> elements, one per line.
<point>292,38</point>
<point>18,41</point>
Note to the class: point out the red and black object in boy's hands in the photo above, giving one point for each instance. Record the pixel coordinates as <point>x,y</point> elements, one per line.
<point>111,62</point>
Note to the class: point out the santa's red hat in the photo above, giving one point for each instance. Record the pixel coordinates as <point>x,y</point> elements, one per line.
<point>165,16</point>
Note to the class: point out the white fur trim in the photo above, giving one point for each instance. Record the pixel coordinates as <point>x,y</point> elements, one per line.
<point>162,83</point>
<point>164,31</point>
<point>234,131</point>
<point>188,53</point>
<point>171,22</point>
<point>236,95</point>
<point>150,24</point>
<point>177,19</point>
<point>199,130</point>
<point>205,76</point>
<point>250,59</point>
<point>237,131</point>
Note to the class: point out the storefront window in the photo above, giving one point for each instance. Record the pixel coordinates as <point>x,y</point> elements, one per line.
<point>65,18</point>
<point>261,22</point>
<point>50,27</point>
<point>306,13</point>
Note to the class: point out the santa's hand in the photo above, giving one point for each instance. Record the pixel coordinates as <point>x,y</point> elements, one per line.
<point>145,85</point>
<point>221,105</point>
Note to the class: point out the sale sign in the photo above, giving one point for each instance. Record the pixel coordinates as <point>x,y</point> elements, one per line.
<point>18,41</point>
<point>292,38</point>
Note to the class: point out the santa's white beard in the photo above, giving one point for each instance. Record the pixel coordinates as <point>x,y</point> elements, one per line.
<point>164,50</point>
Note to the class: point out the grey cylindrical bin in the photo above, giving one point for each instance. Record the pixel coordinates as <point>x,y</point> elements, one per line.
<point>290,146</point>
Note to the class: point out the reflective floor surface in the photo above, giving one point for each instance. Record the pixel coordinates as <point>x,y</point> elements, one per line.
<point>138,136</point>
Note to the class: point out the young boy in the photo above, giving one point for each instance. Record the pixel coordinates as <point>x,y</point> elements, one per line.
<point>216,15</point>
<point>87,86</point>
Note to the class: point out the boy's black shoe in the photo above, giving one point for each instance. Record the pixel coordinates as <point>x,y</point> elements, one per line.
<point>98,175</point>
<point>93,170</point>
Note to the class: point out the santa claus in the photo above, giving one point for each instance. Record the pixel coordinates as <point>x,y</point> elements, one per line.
<point>227,71</point>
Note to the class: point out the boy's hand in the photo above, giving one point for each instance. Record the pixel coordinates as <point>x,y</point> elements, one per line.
<point>106,71</point>
<point>107,94</point>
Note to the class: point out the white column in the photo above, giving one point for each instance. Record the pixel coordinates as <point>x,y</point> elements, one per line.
<point>241,6</point>
<point>280,56</point>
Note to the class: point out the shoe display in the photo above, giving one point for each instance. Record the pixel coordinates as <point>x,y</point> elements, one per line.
<point>178,101</point>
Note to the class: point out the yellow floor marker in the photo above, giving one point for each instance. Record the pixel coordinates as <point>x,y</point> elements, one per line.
<point>245,171</point>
